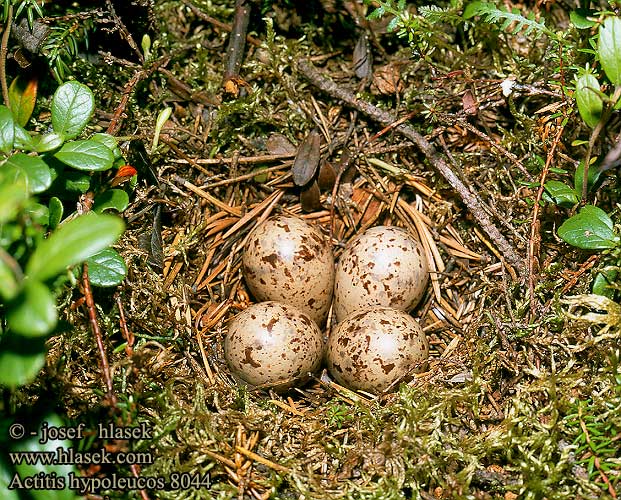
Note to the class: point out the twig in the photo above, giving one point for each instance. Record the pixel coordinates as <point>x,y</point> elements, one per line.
<point>470,199</point>
<point>124,31</point>
<point>258,458</point>
<point>535,237</point>
<point>237,41</point>
<point>3,53</point>
<point>92,317</point>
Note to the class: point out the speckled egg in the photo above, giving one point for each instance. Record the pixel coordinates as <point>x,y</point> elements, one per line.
<point>384,266</point>
<point>288,260</point>
<point>274,345</point>
<point>373,349</point>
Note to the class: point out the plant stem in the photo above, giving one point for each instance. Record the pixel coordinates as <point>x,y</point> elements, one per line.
<point>3,54</point>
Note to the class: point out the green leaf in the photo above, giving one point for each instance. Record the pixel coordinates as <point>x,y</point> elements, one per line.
<point>579,18</point>
<point>590,104</point>
<point>75,181</point>
<point>72,243</point>
<point>86,155</point>
<point>46,142</point>
<point>107,268</point>
<point>591,229</point>
<point>56,212</point>
<point>10,284</point>
<point>21,360</point>
<point>13,194</point>
<point>33,312</point>
<point>560,193</point>
<point>7,131</point>
<point>38,213</point>
<point>112,199</point>
<point>609,48</point>
<point>23,96</point>
<point>72,107</point>
<point>107,140</point>
<point>593,176</point>
<point>603,281</point>
<point>34,168</point>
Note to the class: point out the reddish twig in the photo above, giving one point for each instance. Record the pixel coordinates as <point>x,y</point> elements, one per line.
<point>470,198</point>
<point>3,54</point>
<point>92,316</point>
<point>535,236</point>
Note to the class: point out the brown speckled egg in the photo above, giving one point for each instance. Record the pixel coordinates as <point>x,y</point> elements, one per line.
<point>384,266</point>
<point>290,261</point>
<point>273,345</point>
<point>373,349</point>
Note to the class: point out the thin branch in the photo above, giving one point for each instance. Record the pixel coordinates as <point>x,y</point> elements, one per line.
<point>3,54</point>
<point>470,199</point>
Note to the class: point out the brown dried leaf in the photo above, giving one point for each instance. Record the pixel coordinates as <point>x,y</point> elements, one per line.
<point>362,58</point>
<point>387,80</point>
<point>469,103</point>
<point>307,160</point>
<point>326,177</point>
<point>310,198</point>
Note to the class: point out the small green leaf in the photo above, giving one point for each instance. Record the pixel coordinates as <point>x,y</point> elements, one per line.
<point>34,168</point>
<point>33,312</point>
<point>593,176</point>
<point>22,96</point>
<point>560,194</point>
<point>56,212</point>
<point>579,18</point>
<point>10,284</point>
<point>38,213</point>
<point>13,194</point>
<point>591,229</point>
<point>609,48</point>
<point>106,139</point>
<point>590,104</point>
<point>7,131</point>
<point>603,281</point>
<point>20,361</point>
<point>75,181</point>
<point>107,268</point>
<point>112,199</point>
<point>86,155</point>
<point>72,243</point>
<point>46,142</point>
<point>72,107</point>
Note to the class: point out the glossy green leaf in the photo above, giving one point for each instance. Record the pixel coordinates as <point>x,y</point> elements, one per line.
<point>33,311</point>
<point>109,141</point>
<point>86,155</point>
<point>72,107</point>
<point>107,268</point>
<point>34,168</point>
<point>21,360</point>
<point>580,18</point>
<point>75,181</point>
<point>112,199</point>
<point>590,229</point>
<point>6,475</point>
<point>13,195</point>
<point>590,104</point>
<point>56,212</point>
<point>609,48</point>
<point>23,140</point>
<point>23,96</point>
<point>46,142</point>
<point>7,131</point>
<point>602,284</point>
<point>593,176</point>
<point>38,213</point>
<point>9,284</point>
<point>72,243</point>
<point>560,193</point>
